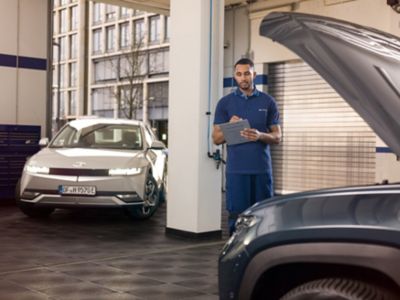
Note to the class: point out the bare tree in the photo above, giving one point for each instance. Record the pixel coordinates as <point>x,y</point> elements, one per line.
<point>131,69</point>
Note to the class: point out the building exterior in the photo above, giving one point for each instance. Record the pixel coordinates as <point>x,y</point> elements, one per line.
<point>113,62</point>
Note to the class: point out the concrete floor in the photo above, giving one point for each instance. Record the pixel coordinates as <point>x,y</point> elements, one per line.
<point>97,254</point>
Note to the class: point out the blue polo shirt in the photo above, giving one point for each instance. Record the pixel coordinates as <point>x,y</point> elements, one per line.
<point>262,112</point>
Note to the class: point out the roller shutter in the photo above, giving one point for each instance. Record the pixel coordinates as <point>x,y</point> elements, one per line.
<point>325,142</point>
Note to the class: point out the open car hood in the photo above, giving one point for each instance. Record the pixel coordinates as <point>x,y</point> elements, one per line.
<point>362,64</point>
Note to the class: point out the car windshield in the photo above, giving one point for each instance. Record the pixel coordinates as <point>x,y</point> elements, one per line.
<point>108,136</point>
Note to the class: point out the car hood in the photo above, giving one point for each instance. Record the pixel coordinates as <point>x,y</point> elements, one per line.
<point>364,213</point>
<point>80,158</point>
<point>361,64</point>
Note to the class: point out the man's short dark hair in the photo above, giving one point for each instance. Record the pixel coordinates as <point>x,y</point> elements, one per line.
<point>245,61</point>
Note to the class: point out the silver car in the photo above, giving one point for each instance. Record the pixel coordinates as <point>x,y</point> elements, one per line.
<point>96,163</point>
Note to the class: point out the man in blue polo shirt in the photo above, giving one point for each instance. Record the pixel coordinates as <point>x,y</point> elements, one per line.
<point>248,166</point>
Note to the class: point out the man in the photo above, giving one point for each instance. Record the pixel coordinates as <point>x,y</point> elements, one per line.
<point>248,167</point>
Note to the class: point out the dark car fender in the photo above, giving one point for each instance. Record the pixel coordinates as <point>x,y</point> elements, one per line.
<point>376,257</point>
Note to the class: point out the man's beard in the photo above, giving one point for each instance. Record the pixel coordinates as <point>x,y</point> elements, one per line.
<point>244,85</point>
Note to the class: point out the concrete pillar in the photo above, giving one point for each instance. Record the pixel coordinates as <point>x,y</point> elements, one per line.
<point>196,78</point>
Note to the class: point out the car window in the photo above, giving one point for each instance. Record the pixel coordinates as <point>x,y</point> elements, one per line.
<point>66,137</point>
<point>110,136</point>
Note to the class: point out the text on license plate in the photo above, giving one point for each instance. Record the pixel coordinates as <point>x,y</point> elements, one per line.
<point>77,190</point>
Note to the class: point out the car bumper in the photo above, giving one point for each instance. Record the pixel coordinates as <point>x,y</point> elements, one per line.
<point>113,191</point>
<point>43,199</point>
<point>231,265</point>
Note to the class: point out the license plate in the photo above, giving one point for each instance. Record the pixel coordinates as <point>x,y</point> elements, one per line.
<point>77,190</point>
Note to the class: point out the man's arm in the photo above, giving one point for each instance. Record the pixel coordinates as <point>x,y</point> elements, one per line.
<point>217,135</point>
<point>272,137</point>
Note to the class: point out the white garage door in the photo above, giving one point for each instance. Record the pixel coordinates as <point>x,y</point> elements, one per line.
<point>325,142</point>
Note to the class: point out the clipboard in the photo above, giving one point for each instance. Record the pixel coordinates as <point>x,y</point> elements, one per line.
<point>231,131</point>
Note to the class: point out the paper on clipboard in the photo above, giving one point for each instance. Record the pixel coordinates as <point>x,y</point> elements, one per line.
<point>231,131</point>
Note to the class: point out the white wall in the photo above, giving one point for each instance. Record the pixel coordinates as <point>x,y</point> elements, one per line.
<point>387,164</point>
<point>236,37</point>
<point>23,32</point>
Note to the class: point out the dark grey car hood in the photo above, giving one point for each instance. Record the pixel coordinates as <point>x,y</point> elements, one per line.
<point>361,64</point>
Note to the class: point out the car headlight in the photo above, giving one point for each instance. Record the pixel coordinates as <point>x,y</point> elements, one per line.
<point>124,172</point>
<point>242,235</point>
<point>244,222</point>
<point>37,169</point>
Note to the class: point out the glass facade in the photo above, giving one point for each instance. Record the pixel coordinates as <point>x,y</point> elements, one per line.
<point>72,74</point>
<point>139,32</point>
<point>110,12</point>
<point>127,56</point>
<point>167,22</point>
<point>102,102</point>
<point>105,69</point>
<point>96,13</point>
<point>96,46</point>
<point>73,46</point>
<point>154,30</point>
<point>110,35</point>
<point>124,36</point>
<point>63,21</point>
<point>158,61</point>
<point>74,17</point>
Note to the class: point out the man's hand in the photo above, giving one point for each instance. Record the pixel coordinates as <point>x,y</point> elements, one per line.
<point>217,135</point>
<point>251,134</point>
<point>234,118</point>
<point>272,137</point>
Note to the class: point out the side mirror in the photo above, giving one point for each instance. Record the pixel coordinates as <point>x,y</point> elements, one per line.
<point>43,142</point>
<point>157,145</point>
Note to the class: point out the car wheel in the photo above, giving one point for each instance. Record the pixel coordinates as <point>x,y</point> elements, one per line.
<point>28,208</point>
<point>151,201</point>
<point>338,289</point>
<point>34,212</point>
<point>17,190</point>
<point>163,189</point>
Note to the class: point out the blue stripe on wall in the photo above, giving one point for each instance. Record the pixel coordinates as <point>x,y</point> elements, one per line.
<point>383,150</point>
<point>8,60</point>
<point>32,63</point>
<point>229,82</point>
<point>260,79</point>
<point>25,62</point>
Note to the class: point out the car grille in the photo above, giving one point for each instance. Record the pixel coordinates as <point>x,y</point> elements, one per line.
<point>79,172</point>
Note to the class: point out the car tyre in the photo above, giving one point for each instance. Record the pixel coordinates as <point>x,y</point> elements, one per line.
<point>338,289</point>
<point>34,212</point>
<point>163,189</point>
<point>152,200</point>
